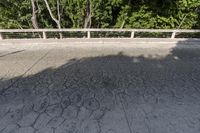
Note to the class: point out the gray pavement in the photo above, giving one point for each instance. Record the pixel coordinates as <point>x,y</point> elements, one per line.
<point>114,87</point>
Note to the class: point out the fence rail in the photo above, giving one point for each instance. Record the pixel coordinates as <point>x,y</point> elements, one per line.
<point>88,31</point>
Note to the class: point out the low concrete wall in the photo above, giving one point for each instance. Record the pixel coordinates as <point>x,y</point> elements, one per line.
<point>103,41</point>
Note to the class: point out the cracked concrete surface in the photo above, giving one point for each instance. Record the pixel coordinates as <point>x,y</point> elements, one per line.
<point>99,88</point>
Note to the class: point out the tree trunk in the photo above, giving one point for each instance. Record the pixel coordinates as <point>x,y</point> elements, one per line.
<point>88,16</point>
<point>34,17</point>
<point>122,25</point>
<point>59,18</point>
<point>57,21</point>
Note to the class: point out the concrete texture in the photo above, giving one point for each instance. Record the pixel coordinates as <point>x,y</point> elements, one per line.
<point>100,87</point>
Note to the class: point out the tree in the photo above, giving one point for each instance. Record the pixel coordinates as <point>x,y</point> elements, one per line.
<point>157,14</point>
<point>34,15</point>
<point>15,14</point>
<point>88,14</point>
<point>56,20</point>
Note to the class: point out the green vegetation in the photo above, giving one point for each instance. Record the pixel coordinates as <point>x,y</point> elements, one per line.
<point>154,14</point>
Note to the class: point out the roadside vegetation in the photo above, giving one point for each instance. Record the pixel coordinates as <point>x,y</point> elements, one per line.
<point>154,14</point>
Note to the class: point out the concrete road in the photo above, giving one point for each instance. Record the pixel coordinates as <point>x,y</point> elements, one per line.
<point>100,87</point>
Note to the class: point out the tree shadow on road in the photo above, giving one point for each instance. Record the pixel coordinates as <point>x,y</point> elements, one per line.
<point>86,95</point>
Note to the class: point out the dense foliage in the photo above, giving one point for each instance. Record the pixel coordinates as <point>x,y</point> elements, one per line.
<point>165,14</point>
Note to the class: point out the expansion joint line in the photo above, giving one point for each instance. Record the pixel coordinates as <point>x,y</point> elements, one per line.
<point>17,80</point>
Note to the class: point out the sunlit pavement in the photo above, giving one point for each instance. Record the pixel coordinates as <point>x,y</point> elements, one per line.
<point>100,88</point>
